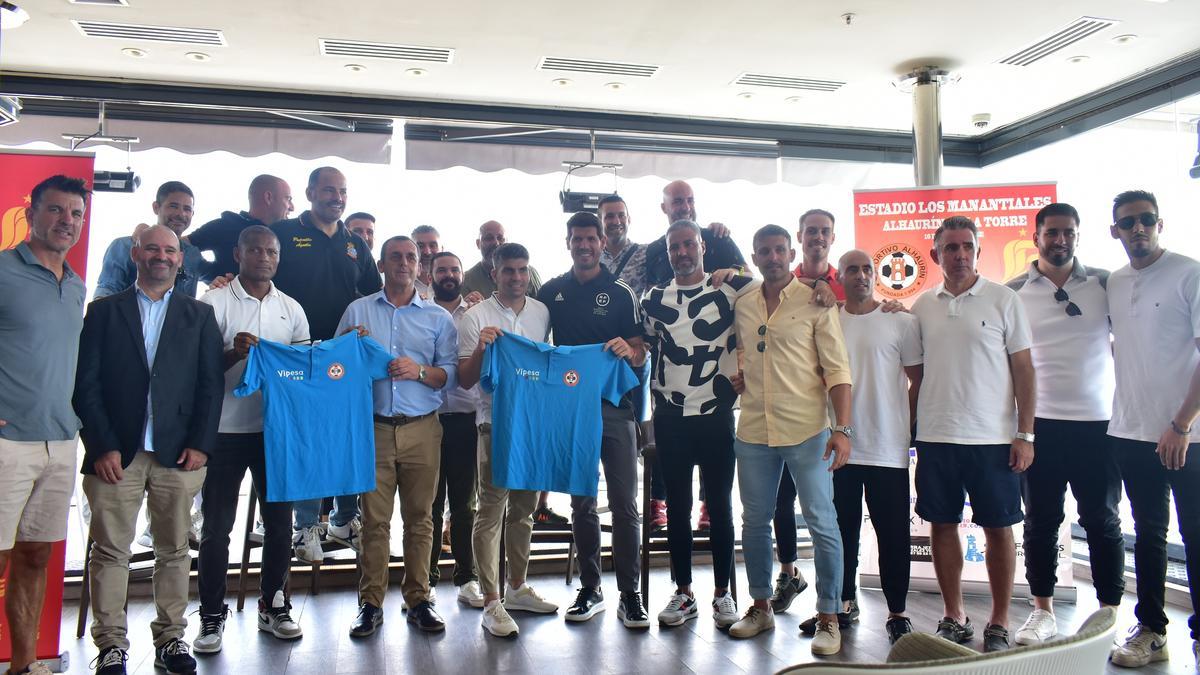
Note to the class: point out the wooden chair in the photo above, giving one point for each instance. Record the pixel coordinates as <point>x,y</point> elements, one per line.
<point>653,540</point>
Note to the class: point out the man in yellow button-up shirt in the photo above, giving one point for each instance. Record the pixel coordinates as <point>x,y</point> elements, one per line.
<point>793,359</point>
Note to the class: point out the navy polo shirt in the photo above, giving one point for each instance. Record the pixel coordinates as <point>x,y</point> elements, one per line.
<point>593,312</point>
<point>322,273</point>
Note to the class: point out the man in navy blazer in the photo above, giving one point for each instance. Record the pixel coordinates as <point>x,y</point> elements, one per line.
<point>148,391</point>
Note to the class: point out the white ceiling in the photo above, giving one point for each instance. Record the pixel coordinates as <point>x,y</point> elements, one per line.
<point>701,47</point>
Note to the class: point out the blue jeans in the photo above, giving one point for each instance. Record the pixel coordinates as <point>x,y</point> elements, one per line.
<point>308,513</point>
<point>759,469</point>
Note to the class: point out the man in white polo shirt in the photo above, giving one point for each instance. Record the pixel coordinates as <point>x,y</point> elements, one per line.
<point>971,438</point>
<point>1068,315</point>
<point>249,308</point>
<point>1154,304</point>
<point>507,310</point>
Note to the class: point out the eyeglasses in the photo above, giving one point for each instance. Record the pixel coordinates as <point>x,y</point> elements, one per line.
<point>1148,220</point>
<point>1072,309</point>
<point>762,344</point>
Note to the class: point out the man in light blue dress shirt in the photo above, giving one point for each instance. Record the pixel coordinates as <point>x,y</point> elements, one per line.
<point>408,436</point>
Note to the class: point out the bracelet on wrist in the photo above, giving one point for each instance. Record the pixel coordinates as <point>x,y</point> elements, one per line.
<point>1179,430</point>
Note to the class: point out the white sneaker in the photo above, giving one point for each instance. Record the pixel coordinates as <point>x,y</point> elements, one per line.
<point>38,668</point>
<point>828,638</point>
<point>212,627</point>
<point>277,619</point>
<point>497,621</point>
<point>525,599</point>
<point>348,535</point>
<point>1142,647</point>
<point>469,595</point>
<point>754,622</point>
<point>307,543</point>
<point>1039,627</point>
<point>197,524</point>
<point>725,612</point>
<point>680,608</point>
<point>144,539</point>
<point>259,532</point>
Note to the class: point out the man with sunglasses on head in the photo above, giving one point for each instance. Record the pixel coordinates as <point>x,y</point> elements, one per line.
<point>1067,308</point>
<point>1154,305</point>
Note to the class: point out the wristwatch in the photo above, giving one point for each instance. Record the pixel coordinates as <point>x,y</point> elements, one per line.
<point>1023,436</point>
<point>421,374</point>
<point>846,430</point>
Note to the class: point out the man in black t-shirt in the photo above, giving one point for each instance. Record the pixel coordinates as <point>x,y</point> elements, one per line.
<point>270,202</point>
<point>588,305</point>
<point>679,203</point>
<point>324,267</point>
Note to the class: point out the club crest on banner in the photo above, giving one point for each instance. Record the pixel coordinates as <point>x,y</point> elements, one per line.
<point>900,270</point>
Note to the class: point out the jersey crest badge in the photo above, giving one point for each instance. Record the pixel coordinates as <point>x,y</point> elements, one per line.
<point>570,378</point>
<point>336,371</point>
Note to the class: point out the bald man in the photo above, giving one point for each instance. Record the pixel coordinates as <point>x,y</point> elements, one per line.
<point>679,203</point>
<point>478,279</point>
<point>270,202</point>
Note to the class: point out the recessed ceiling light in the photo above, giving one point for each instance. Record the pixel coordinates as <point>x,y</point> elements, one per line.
<point>746,95</point>
<point>1125,39</point>
<point>562,82</point>
<point>12,16</point>
<point>135,53</point>
<point>793,99</point>
<point>416,72</point>
<point>355,67</point>
<point>615,86</point>
<point>1080,58</point>
<point>198,57</point>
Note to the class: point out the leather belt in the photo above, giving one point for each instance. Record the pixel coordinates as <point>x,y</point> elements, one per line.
<point>401,420</point>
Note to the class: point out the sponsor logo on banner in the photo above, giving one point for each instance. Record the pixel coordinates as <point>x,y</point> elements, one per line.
<point>13,227</point>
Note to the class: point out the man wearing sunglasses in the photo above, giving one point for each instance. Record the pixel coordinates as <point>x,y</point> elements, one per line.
<point>974,424</point>
<point>793,362</point>
<point>1154,304</point>
<point>1068,315</point>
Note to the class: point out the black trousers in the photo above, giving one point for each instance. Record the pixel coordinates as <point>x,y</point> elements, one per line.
<point>683,443</point>
<point>887,496</point>
<point>1148,484</point>
<point>1078,454</point>
<point>785,520</point>
<point>456,479</point>
<point>234,454</point>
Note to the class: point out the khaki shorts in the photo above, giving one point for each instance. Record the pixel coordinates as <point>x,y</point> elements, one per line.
<point>37,479</point>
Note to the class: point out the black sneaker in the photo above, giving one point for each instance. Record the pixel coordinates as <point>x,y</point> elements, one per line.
<point>809,626</point>
<point>631,612</point>
<point>547,516</point>
<point>424,616</point>
<point>949,629</point>
<point>787,587</point>
<point>588,603</point>
<point>995,638</point>
<point>110,661</point>
<point>897,627</point>
<point>175,658</point>
<point>368,620</point>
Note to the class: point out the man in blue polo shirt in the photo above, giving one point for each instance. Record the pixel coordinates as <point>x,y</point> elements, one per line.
<point>408,436</point>
<point>588,305</point>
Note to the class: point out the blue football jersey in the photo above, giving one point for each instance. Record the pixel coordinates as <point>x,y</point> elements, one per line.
<point>317,414</point>
<point>546,426</point>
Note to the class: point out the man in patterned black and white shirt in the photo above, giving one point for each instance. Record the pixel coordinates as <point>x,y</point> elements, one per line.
<point>691,324</point>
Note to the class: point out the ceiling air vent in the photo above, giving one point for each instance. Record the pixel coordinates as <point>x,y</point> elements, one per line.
<point>384,50</point>
<point>783,82</point>
<point>138,32</point>
<point>598,67</point>
<point>1066,36</point>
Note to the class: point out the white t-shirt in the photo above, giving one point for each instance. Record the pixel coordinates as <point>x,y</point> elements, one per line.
<point>691,328</point>
<point>1072,355</point>
<point>1155,322</point>
<point>277,318</point>
<point>880,345</point>
<point>967,391</point>
<point>533,322</point>
<point>456,399</point>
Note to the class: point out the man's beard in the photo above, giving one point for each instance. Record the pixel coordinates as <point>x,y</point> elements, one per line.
<point>447,294</point>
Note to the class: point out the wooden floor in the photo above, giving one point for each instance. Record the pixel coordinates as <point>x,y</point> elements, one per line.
<point>550,646</point>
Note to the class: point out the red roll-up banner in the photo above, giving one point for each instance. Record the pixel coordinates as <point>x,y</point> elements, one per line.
<point>22,171</point>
